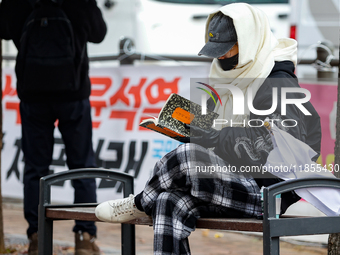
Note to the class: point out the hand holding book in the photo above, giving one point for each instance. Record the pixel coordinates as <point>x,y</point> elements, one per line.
<point>206,138</point>
<point>175,114</point>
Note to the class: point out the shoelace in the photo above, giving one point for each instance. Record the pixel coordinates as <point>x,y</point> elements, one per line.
<point>123,206</point>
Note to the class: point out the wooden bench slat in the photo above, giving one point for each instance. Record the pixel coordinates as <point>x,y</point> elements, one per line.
<point>239,224</point>
<point>87,213</point>
<point>73,213</point>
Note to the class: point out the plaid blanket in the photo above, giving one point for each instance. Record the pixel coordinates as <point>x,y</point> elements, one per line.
<point>178,194</point>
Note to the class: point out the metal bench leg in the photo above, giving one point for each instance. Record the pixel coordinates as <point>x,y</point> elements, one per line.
<point>271,245</point>
<point>45,233</point>
<point>45,226</point>
<point>128,239</point>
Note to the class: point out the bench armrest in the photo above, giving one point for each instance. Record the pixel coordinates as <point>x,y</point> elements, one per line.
<point>285,186</point>
<point>45,226</point>
<point>47,181</point>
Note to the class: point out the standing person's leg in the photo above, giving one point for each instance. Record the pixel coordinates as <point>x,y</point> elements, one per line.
<point>37,142</point>
<point>75,125</point>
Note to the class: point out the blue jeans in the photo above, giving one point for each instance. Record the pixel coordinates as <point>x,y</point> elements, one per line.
<point>75,126</point>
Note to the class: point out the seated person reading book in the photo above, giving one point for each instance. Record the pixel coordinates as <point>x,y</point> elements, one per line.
<point>246,53</point>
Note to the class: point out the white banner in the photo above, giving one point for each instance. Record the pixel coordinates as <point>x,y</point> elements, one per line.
<point>121,97</point>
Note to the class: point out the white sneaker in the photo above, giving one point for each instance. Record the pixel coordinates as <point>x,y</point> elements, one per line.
<point>119,210</point>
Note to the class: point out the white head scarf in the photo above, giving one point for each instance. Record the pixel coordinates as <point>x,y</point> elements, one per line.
<point>258,50</point>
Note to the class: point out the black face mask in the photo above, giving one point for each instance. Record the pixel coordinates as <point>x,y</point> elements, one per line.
<point>229,63</point>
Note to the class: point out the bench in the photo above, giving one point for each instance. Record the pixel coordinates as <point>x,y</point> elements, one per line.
<point>271,227</point>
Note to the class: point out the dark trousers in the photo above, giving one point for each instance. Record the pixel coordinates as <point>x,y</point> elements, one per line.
<point>75,126</point>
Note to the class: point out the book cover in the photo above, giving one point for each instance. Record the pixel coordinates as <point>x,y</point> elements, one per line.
<point>176,112</point>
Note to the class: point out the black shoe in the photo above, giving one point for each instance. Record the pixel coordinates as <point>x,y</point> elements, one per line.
<point>85,245</point>
<point>33,246</point>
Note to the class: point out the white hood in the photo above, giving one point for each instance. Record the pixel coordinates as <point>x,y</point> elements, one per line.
<point>258,49</point>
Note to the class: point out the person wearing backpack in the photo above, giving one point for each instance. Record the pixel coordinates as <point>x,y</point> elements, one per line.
<point>53,86</point>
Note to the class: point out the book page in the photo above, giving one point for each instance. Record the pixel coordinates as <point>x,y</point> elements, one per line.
<point>164,131</point>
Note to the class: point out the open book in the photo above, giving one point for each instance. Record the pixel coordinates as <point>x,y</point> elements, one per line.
<point>176,112</point>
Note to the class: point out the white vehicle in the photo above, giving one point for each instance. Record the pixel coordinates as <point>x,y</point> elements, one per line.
<point>174,27</point>
<point>314,22</point>
<point>168,27</point>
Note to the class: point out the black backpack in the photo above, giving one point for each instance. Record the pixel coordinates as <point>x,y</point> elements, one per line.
<point>46,57</point>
